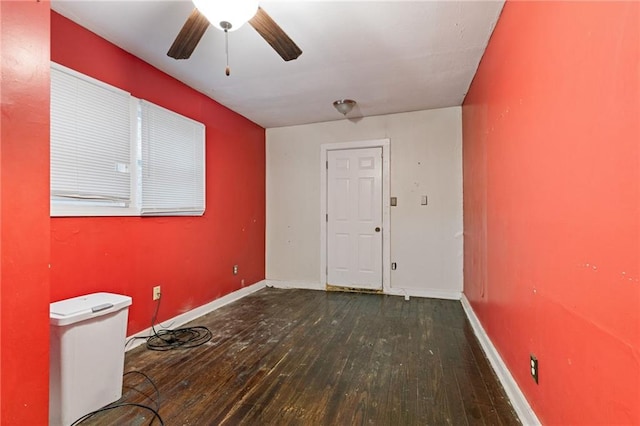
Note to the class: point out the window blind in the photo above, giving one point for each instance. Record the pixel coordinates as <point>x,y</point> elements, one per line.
<point>90,140</point>
<point>172,162</point>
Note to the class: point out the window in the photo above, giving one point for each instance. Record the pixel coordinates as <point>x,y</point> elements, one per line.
<point>90,142</point>
<point>115,155</point>
<point>170,148</point>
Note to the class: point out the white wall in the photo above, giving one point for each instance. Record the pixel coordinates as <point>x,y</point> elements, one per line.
<point>426,159</point>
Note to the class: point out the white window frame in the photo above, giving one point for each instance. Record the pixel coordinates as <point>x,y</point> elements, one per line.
<point>78,207</point>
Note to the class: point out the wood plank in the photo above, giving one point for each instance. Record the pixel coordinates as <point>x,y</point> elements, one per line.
<point>311,357</point>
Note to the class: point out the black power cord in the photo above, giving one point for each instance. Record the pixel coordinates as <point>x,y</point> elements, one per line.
<point>119,404</point>
<point>162,340</point>
<point>179,338</point>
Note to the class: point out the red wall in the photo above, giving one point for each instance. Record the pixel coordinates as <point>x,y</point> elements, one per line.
<point>190,257</point>
<point>552,205</point>
<point>24,213</point>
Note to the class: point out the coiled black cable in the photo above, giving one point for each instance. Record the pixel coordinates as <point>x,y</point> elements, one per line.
<point>179,338</point>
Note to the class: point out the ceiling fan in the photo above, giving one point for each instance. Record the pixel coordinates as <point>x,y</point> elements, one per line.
<point>229,15</point>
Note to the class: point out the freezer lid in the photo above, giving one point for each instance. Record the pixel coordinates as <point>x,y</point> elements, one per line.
<point>70,311</point>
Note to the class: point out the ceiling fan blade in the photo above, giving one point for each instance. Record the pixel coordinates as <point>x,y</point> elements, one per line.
<point>274,35</point>
<point>189,36</point>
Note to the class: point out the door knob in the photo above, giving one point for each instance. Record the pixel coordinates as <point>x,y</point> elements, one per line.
<point>377,229</point>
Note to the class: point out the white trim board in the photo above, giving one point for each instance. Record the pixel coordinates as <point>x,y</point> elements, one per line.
<point>193,314</point>
<point>520,404</point>
<point>393,291</point>
<point>427,293</point>
<point>303,285</point>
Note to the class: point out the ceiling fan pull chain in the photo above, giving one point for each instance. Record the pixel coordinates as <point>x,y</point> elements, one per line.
<point>227,70</point>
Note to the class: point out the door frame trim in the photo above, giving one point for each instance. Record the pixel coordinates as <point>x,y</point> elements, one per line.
<point>386,220</point>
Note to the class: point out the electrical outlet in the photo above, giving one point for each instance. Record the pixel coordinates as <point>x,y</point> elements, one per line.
<point>156,292</point>
<point>533,364</point>
<point>235,269</point>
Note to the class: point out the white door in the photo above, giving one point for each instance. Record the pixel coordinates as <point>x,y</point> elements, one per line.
<point>354,218</point>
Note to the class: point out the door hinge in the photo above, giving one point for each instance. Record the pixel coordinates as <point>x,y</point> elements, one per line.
<point>326,164</point>
<point>326,217</point>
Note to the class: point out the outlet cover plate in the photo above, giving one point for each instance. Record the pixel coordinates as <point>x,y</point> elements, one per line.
<point>533,364</point>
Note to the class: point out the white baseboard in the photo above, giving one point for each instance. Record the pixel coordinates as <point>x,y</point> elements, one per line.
<point>428,293</point>
<point>304,285</point>
<point>520,404</point>
<point>406,292</point>
<point>184,318</point>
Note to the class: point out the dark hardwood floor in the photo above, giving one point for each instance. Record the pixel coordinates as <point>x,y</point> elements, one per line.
<point>302,357</point>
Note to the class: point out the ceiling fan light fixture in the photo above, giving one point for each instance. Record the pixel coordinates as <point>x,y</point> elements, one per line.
<point>344,106</point>
<point>233,13</point>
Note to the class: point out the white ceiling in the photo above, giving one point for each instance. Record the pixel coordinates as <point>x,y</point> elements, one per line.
<point>389,56</point>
